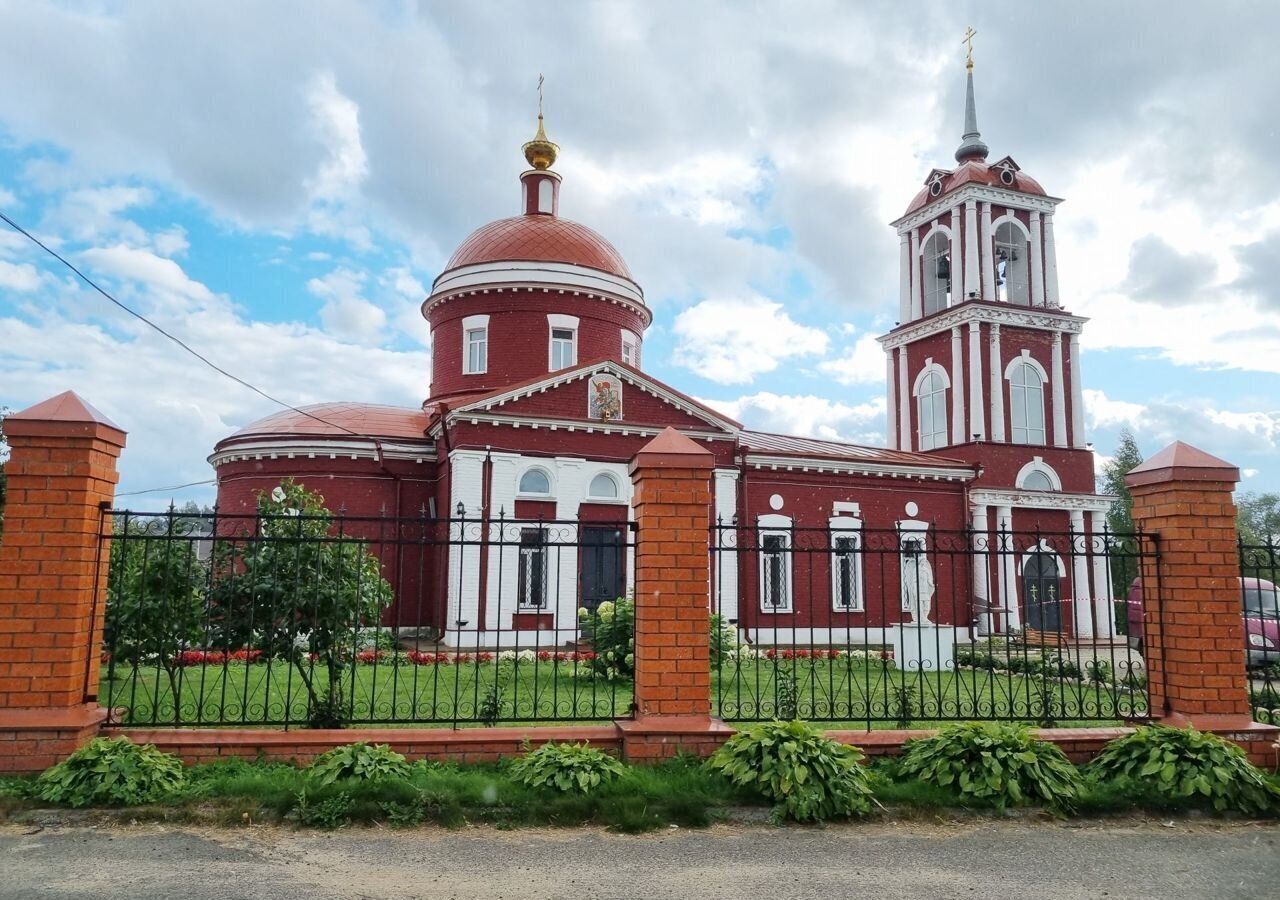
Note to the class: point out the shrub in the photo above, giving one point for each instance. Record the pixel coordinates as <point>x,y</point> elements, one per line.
<point>111,772</point>
<point>724,639</point>
<point>993,763</point>
<point>1182,766</point>
<point>809,776</point>
<point>611,630</point>
<point>1099,671</point>
<point>360,761</point>
<point>566,767</point>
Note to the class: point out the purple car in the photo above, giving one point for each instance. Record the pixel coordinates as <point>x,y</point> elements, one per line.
<point>1261,619</point>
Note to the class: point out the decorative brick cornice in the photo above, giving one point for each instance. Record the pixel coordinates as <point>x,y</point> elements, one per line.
<point>1039,318</point>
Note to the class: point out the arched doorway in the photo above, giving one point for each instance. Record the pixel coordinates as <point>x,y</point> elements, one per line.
<point>1042,591</point>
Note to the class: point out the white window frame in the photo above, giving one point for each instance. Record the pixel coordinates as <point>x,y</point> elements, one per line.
<point>1022,265</point>
<point>1041,434</point>
<point>933,286</point>
<point>551,483</point>
<point>471,325</point>
<point>557,322</point>
<point>616,497</point>
<point>775,526</point>
<point>845,528</point>
<point>938,437</point>
<point>526,600</point>
<point>630,348</point>
<point>1038,466</point>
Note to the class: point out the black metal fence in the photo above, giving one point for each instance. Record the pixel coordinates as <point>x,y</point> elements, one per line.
<point>1260,604</point>
<point>917,625</point>
<point>296,617</point>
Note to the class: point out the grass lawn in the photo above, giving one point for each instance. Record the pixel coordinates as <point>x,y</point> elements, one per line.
<point>849,693</point>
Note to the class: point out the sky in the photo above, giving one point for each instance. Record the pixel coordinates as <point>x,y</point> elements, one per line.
<point>278,185</point>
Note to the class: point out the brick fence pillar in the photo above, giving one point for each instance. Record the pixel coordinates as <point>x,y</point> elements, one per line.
<point>672,502</point>
<point>61,472</point>
<point>1193,638</point>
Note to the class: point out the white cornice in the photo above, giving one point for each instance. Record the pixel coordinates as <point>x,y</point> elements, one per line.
<point>973,191</point>
<point>560,278</point>
<point>1039,318</point>
<point>858,467</point>
<point>321,449</point>
<point>552,381</point>
<point>581,426</point>
<point>1039,500</point>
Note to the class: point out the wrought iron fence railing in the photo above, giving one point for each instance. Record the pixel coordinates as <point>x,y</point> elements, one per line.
<point>302,618</point>
<point>917,625</point>
<point>1260,607</point>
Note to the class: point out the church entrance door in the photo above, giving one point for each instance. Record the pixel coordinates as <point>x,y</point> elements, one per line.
<point>1041,591</point>
<point>602,564</point>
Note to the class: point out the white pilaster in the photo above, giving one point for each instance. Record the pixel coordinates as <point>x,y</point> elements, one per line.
<point>997,384</point>
<point>466,481</point>
<point>958,253</point>
<point>904,402</point>
<point>981,569</point>
<point>1037,261</point>
<point>971,248</point>
<point>904,278</point>
<point>977,411</point>
<point>1103,602</point>
<point>891,404</point>
<point>1082,604</point>
<point>957,387</point>
<point>1059,391</point>
<point>1050,263</point>
<point>988,261</point>
<point>724,574</point>
<point>1077,393</point>
<point>1008,567</point>
<point>917,283</point>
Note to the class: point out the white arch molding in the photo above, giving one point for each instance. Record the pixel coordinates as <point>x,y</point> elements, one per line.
<point>1025,358</point>
<point>930,366</point>
<point>1042,547</point>
<point>1038,464</point>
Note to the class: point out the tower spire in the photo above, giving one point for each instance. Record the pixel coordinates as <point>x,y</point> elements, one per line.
<point>971,145</point>
<point>540,152</point>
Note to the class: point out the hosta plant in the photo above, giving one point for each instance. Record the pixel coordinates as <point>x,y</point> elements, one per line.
<point>566,767</point>
<point>993,764</point>
<point>809,776</point>
<point>360,761</point>
<point>1185,767</point>
<point>112,772</point>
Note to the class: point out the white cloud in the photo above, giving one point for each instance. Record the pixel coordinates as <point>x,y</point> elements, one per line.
<point>809,416</point>
<point>1159,422</point>
<point>336,119</point>
<point>19,276</point>
<point>862,364</point>
<point>7,198</point>
<point>346,313</point>
<point>731,341</point>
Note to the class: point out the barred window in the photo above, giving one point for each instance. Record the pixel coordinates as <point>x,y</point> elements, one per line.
<point>775,580</point>
<point>846,573</point>
<point>533,568</point>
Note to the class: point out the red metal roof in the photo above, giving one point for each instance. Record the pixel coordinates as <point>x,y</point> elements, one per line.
<point>539,238</point>
<point>339,420</point>
<point>789,445</point>
<point>976,172</point>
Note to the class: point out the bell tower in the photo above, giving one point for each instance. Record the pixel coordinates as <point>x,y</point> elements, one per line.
<point>984,352</point>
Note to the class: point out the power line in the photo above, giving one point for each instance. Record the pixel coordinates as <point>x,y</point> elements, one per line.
<point>175,487</point>
<point>140,317</point>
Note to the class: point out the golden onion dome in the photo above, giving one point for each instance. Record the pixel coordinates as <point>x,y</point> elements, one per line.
<point>540,152</point>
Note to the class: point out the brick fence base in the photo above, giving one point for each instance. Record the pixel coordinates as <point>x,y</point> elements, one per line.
<point>32,740</point>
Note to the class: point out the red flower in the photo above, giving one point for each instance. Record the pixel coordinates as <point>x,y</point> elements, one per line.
<point>370,656</point>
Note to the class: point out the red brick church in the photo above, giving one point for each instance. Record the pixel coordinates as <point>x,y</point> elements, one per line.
<point>539,399</point>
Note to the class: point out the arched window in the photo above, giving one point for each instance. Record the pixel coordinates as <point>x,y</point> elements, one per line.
<point>1026,404</point>
<point>603,487</point>
<point>535,481</point>
<point>931,408</point>
<point>1037,481</point>
<point>937,272</point>
<point>1013,283</point>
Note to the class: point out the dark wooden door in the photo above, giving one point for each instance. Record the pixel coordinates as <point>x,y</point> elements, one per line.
<point>602,564</point>
<point>1041,592</point>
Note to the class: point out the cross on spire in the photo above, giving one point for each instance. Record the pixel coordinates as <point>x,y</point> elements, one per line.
<point>540,80</point>
<point>968,41</point>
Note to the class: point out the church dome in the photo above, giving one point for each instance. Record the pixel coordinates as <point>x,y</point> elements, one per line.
<point>536,237</point>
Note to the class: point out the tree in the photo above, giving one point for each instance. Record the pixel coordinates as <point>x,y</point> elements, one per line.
<point>155,594</point>
<point>296,590</point>
<point>1258,517</point>
<point>1124,549</point>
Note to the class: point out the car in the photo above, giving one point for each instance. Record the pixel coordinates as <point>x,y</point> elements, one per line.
<point>1261,611</point>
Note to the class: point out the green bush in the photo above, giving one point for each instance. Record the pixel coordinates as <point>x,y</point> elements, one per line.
<point>360,761</point>
<point>566,767</point>
<point>611,630</point>
<point>115,772</point>
<point>809,776</point>
<point>1099,671</point>
<point>993,764</point>
<point>1185,767</point>
<point>724,639</point>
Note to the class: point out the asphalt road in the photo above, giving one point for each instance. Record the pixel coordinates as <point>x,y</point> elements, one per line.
<point>976,859</point>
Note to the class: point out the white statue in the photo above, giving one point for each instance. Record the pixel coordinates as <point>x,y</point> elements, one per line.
<point>917,580</point>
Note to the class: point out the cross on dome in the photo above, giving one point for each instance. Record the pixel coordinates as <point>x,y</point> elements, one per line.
<point>540,152</point>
